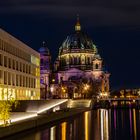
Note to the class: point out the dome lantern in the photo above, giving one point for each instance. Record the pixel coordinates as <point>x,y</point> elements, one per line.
<point>78,25</point>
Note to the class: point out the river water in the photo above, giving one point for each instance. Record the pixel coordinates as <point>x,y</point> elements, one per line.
<point>101,124</point>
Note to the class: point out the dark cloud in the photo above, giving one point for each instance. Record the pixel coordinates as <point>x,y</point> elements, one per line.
<point>102,12</point>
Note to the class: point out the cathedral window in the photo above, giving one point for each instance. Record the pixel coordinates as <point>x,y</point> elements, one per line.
<point>82,59</point>
<point>88,60</point>
<point>78,60</point>
<point>42,61</point>
<point>70,60</point>
<point>96,66</point>
<point>75,60</point>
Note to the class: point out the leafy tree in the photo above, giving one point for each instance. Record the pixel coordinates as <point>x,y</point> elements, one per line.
<point>6,108</point>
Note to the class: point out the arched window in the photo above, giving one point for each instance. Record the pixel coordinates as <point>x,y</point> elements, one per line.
<point>96,66</point>
<point>82,59</point>
<point>78,60</point>
<point>88,60</point>
<point>70,60</point>
<point>75,60</point>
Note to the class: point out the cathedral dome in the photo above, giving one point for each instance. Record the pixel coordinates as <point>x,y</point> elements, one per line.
<point>77,51</point>
<point>77,42</point>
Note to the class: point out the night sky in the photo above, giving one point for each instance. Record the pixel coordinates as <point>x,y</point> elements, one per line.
<point>113,25</point>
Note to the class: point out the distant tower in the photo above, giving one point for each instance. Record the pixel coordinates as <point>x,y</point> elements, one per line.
<point>101,76</point>
<point>45,70</point>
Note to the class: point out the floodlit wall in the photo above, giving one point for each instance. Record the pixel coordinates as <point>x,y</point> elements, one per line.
<point>19,69</point>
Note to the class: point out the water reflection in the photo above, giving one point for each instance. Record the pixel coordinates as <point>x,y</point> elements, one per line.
<point>63,131</point>
<point>53,133</point>
<point>86,115</point>
<point>104,124</point>
<point>135,128</point>
<point>101,124</point>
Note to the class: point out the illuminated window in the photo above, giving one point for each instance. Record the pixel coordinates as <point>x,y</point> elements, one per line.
<point>9,62</point>
<point>34,82</point>
<point>5,61</point>
<point>88,60</point>
<point>20,80</point>
<point>1,59</point>
<point>29,69</point>
<point>23,81</point>
<point>14,64</point>
<point>1,76</point>
<point>35,60</point>
<point>20,66</point>
<point>83,59</point>
<point>26,68</point>
<point>5,77</point>
<point>9,78</point>
<point>16,80</point>
<point>78,60</point>
<point>26,81</point>
<point>96,66</point>
<point>13,79</point>
<point>23,67</point>
<point>75,60</point>
<point>29,82</point>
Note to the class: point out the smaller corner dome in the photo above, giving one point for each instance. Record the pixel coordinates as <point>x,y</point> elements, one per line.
<point>44,49</point>
<point>97,56</point>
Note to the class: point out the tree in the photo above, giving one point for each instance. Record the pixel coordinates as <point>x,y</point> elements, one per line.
<point>6,108</point>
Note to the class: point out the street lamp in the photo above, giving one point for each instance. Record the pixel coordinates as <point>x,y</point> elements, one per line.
<point>86,87</point>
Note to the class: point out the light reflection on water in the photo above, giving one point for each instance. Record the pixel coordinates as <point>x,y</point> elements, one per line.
<point>104,124</point>
<point>101,124</point>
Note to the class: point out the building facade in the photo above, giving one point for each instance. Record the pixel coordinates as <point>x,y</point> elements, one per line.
<point>79,67</point>
<point>19,69</point>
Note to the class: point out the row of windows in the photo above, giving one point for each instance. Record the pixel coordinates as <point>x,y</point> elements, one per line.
<point>18,94</point>
<point>14,50</point>
<point>16,65</point>
<point>75,60</point>
<point>16,80</point>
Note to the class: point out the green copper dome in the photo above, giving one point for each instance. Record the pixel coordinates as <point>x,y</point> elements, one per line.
<point>77,42</point>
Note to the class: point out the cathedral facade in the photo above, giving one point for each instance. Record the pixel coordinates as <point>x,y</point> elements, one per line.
<point>78,68</point>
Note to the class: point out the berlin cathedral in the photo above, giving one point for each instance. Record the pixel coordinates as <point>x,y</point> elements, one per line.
<point>77,72</point>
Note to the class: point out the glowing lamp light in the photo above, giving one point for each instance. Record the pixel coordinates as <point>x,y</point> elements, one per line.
<point>86,87</point>
<point>52,89</point>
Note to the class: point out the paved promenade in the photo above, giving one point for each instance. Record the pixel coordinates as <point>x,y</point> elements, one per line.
<point>37,121</point>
